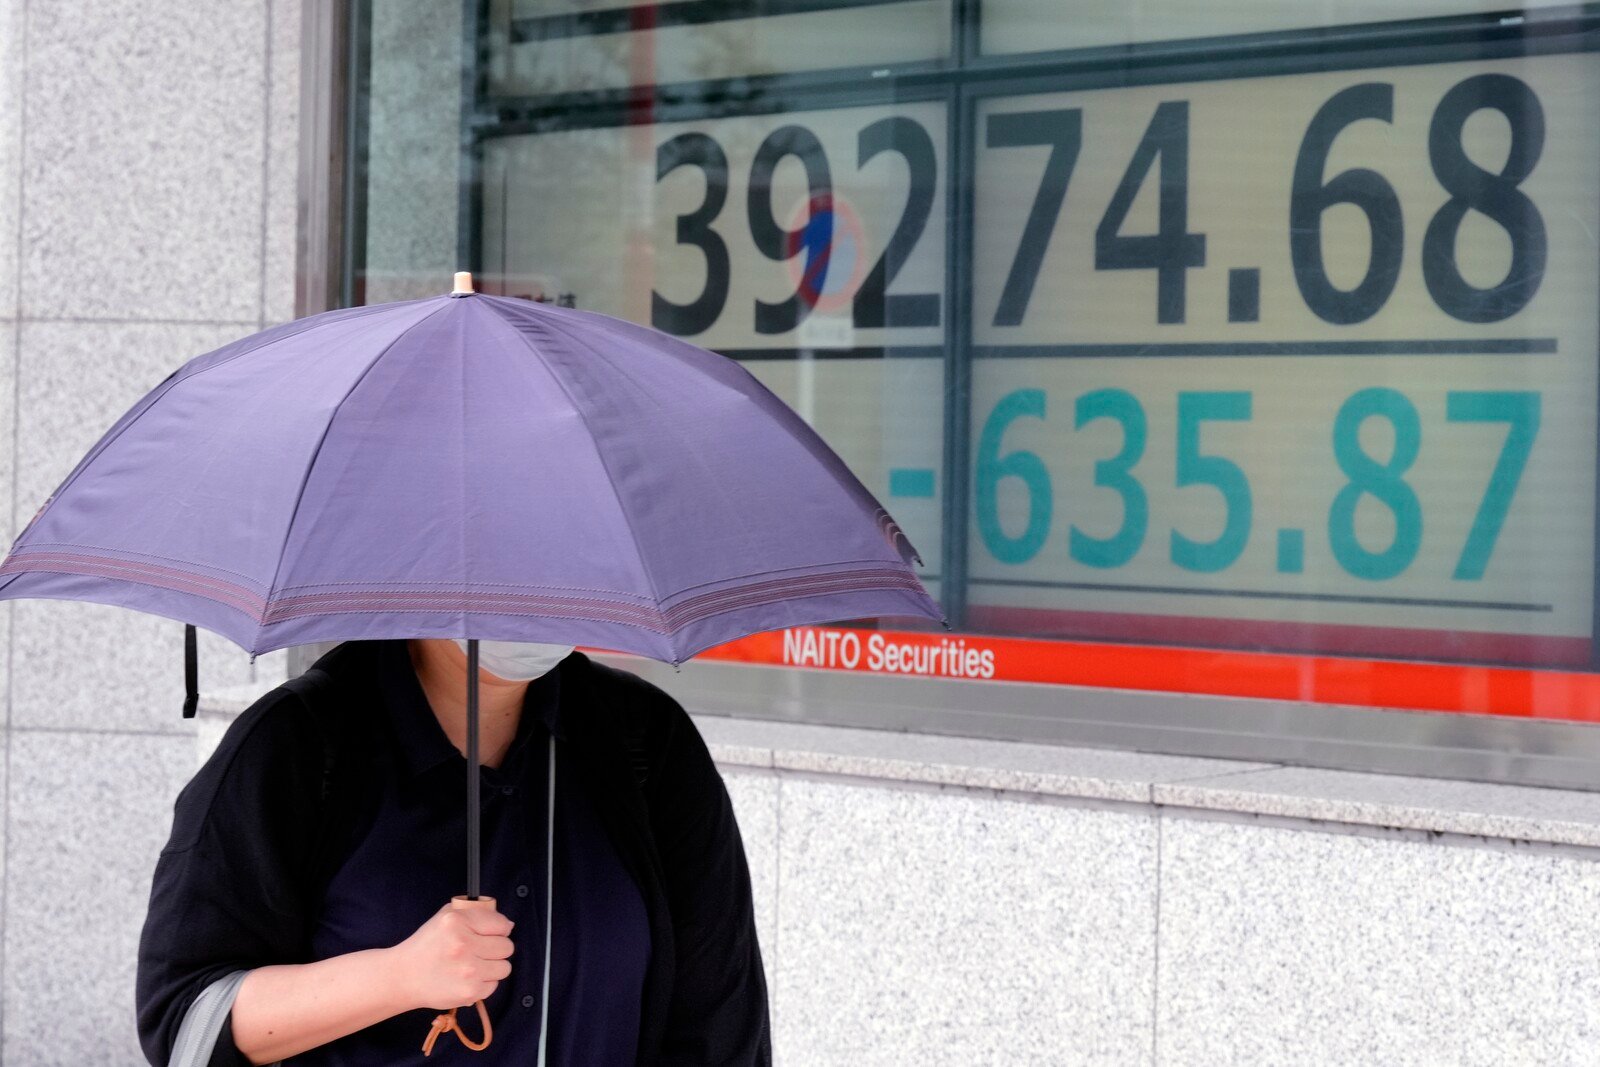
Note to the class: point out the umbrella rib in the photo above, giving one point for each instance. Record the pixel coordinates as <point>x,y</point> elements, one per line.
<point>311,465</point>
<point>583,418</point>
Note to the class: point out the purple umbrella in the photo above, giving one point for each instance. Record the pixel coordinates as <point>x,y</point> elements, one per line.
<point>467,466</point>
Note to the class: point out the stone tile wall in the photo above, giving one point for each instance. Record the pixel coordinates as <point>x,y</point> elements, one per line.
<point>905,923</point>
<point>148,159</point>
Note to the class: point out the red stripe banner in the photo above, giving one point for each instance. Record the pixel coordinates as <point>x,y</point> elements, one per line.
<point>1544,694</point>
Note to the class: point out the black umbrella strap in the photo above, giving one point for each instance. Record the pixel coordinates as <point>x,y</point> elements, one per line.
<point>191,671</point>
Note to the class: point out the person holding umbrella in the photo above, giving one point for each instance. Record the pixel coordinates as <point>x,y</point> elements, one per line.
<point>462,470</point>
<point>651,953</point>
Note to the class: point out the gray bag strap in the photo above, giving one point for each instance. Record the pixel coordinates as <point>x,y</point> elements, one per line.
<point>202,1023</point>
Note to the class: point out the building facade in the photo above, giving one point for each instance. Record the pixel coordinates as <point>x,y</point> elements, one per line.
<point>1232,366</point>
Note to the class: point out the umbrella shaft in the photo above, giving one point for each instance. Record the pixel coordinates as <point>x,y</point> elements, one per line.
<point>472,768</point>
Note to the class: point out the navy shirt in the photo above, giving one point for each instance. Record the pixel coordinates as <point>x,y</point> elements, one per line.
<point>412,859</point>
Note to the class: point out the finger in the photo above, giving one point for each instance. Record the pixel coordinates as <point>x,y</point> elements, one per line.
<point>488,922</point>
<point>494,948</point>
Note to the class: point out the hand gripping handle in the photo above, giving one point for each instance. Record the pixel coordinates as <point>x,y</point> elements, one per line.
<point>447,1020</point>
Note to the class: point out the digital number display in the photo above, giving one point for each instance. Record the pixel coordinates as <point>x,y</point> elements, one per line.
<point>819,229</point>
<point>838,214</point>
<point>1321,372</point>
<point>1301,362</point>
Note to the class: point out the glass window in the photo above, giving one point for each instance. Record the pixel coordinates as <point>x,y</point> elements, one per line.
<point>1259,333</point>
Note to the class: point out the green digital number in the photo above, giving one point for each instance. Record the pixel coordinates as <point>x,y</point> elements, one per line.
<point>991,467</point>
<point>1115,473</point>
<point>1223,474</point>
<point>1383,481</point>
<point>1521,412</point>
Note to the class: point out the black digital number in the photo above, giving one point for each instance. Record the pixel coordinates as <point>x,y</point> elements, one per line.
<point>1063,132</point>
<point>1494,195</point>
<point>1171,250</point>
<point>696,150</point>
<point>1366,189</point>
<point>775,242</point>
<point>872,307</point>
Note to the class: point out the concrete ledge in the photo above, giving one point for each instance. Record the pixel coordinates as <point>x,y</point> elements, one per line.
<point>1513,813</point>
<point>1517,813</point>
<point>1096,774</point>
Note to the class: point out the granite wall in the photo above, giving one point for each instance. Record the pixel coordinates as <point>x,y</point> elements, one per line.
<point>148,159</point>
<point>936,901</point>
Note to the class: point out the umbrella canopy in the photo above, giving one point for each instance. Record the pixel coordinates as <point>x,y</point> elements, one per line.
<point>468,466</point>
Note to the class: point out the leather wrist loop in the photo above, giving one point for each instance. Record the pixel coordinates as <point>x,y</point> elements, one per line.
<point>447,1021</point>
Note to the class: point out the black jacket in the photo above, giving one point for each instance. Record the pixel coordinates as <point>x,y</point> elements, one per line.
<point>239,881</point>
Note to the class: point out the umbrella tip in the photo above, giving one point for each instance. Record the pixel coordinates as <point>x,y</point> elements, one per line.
<point>463,283</point>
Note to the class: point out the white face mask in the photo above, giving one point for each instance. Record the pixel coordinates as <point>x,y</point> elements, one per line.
<point>516,661</point>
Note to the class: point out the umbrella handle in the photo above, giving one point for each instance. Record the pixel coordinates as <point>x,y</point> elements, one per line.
<point>447,1020</point>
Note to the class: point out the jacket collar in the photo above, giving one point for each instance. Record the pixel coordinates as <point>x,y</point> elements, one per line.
<point>422,741</point>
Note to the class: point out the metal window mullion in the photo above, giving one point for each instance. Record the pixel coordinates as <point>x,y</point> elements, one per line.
<point>474,94</point>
